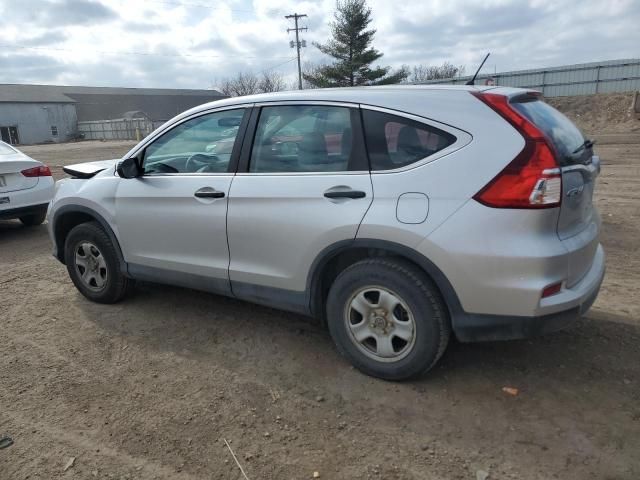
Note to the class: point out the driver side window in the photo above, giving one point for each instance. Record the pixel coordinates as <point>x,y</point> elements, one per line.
<point>200,145</point>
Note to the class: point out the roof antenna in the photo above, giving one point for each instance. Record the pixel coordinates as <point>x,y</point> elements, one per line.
<point>472,81</point>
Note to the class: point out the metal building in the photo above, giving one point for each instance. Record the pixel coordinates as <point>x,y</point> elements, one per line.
<point>579,79</point>
<point>51,113</point>
<point>33,115</point>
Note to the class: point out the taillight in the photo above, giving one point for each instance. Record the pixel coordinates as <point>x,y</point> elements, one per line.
<point>41,171</point>
<point>532,179</point>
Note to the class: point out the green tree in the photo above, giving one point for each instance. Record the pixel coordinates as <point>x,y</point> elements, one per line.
<point>351,48</point>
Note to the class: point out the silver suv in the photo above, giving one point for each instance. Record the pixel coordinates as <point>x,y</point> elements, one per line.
<point>399,215</point>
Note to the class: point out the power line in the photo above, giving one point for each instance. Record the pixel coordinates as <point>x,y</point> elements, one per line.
<point>146,54</point>
<point>297,29</point>
<point>277,65</point>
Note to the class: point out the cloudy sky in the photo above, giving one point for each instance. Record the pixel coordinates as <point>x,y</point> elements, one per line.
<point>194,43</point>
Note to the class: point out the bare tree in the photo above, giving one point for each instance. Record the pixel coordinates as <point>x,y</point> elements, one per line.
<point>244,83</point>
<point>271,81</point>
<point>248,83</point>
<point>422,73</point>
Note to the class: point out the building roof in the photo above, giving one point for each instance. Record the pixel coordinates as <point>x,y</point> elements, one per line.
<point>107,103</point>
<point>12,92</point>
<point>33,94</point>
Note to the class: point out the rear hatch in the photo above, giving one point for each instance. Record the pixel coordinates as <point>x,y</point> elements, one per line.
<point>578,221</point>
<point>11,165</point>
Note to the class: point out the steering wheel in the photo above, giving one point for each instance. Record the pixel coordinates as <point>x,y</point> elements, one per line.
<point>164,168</point>
<point>200,162</point>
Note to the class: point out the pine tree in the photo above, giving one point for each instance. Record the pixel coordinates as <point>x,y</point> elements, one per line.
<point>352,50</point>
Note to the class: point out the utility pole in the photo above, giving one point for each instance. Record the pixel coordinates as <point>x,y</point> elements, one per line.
<point>298,44</point>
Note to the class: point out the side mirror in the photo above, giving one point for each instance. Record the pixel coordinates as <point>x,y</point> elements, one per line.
<point>129,168</point>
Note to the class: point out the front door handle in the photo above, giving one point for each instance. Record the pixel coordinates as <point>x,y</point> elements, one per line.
<point>208,192</point>
<point>345,194</point>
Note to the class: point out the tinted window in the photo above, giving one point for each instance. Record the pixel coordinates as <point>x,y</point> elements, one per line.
<point>302,138</point>
<point>200,145</point>
<point>564,135</point>
<point>394,141</point>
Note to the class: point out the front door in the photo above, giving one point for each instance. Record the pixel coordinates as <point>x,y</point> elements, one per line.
<point>172,220</point>
<point>307,185</point>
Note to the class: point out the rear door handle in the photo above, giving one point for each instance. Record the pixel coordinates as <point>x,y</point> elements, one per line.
<point>345,194</point>
<point>208,192</point>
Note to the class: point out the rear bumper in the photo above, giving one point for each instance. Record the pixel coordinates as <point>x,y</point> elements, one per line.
<point>23,211</point>
<point>567,308</point>
<point>28,201</point>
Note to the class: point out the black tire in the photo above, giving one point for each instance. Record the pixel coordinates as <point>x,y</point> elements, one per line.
<point>431,321</point>
<point>117,285</point>
<point>34,219</point>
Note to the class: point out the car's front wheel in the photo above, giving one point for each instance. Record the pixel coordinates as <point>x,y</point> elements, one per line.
<point>388,318</point>
<point>93,265</point>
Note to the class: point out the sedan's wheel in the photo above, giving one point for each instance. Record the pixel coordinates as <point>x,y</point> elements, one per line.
<point>93,264</point>
<point>388,318</point>
<point>34,219</point>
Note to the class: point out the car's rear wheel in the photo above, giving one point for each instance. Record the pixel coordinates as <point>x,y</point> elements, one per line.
<point>93,264</point>
<point>388,318</point>
<point>34,219</point>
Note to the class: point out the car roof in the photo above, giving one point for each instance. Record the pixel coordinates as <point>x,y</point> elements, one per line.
<point>344,94</point>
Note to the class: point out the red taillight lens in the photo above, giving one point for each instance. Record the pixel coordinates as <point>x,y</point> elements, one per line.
<point>42,171</point>
<point>532,179</point>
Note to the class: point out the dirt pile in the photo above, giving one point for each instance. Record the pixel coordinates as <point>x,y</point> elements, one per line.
<point>602,113</point>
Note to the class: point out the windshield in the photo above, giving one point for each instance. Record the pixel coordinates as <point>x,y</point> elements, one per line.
<point>564,135</point>
<point>6,149</point>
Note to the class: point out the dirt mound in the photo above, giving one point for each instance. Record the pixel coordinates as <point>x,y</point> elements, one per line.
<point>606,112</point>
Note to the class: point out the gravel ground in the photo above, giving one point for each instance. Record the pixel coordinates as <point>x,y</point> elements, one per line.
<point>151,387</point>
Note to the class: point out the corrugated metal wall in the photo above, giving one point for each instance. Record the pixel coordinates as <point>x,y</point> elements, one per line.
<point>579,79</point>
<point>35,121</point>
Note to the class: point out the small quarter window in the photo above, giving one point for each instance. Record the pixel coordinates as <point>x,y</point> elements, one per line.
<point>394,141</point>
<point>54,130</point>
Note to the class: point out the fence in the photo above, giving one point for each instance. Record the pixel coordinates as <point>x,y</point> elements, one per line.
<point>118,129</point>
<point>579,79</point>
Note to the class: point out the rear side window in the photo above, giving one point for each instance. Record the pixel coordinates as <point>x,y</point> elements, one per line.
<point>395,142</point>
<point>302,138</point>
<point>564,135</point>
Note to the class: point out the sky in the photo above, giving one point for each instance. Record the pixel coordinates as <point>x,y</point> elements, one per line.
<point>196,43</point>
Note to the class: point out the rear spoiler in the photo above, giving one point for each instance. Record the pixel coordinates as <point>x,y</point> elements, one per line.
<point>75,173</point>
<point>87,170</point>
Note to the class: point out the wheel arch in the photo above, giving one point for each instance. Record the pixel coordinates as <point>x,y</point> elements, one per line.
<point>333,259</point>
<point>70,216</point>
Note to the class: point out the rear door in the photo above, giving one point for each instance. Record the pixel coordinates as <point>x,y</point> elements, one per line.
<point>578,222</point>
<point>11,165</point>
<point>303,185</point>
